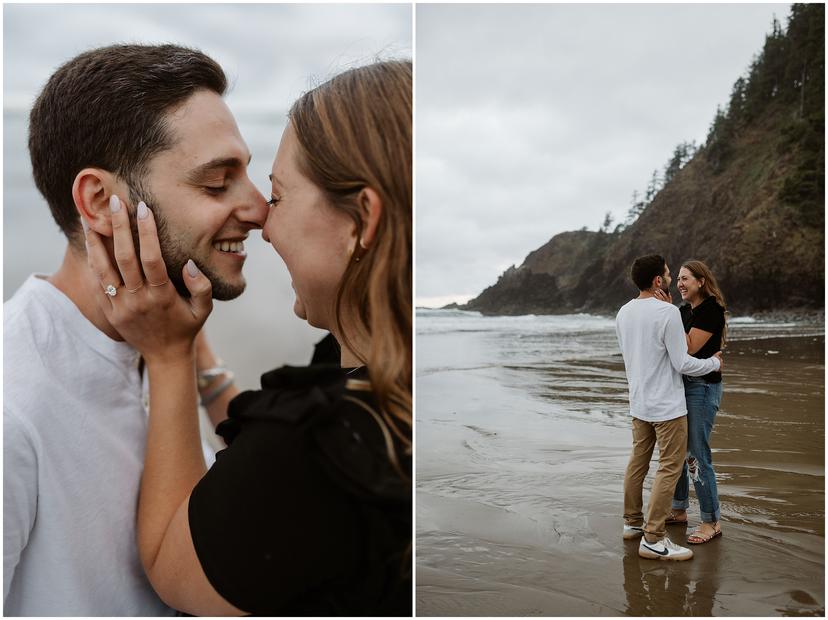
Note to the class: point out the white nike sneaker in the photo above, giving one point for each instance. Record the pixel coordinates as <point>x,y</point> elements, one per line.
<point>664,549</point>
<point>633,531</point>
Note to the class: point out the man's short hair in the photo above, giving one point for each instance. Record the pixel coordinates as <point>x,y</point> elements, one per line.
<point>646,268</point>
<point>106,108</point>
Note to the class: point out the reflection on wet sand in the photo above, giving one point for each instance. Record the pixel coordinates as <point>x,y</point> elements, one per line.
<point>661,588</point>
<point>523,437</point>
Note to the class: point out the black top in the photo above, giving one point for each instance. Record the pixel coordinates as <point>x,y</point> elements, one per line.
<point>326,351</point>
<point>303,513</point>
<point>708,316</point>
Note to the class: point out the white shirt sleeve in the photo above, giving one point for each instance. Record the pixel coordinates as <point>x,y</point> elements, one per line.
<point>676,342</point>
<point>19,492</point>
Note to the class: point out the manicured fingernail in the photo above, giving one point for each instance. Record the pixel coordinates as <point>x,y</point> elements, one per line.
<point>143,212</point>
<point>85,225</point>
<point>192,269</point>
<point>114,203</point>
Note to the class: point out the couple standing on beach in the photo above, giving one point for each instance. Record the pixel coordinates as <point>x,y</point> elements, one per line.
<point>109,507</point>
<point>673,363</point>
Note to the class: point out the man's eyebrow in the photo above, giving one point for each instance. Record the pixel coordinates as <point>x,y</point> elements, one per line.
<point>199,172</point>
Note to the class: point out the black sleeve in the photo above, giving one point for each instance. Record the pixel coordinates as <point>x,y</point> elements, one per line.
<point>267,525</point>
<point>686,317</point>
<point>709,317</point>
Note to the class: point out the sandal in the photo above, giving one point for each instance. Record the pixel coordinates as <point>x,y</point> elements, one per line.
<point>699,537</point>
<point>672,519</point>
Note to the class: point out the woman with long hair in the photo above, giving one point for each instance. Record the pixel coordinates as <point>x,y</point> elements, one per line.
<point>308,509</point>
<point>703,315</point>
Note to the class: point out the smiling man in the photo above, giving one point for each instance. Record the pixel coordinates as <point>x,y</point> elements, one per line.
<point>147,122</point>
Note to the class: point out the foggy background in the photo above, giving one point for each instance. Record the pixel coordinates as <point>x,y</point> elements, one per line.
<point>270,53</point>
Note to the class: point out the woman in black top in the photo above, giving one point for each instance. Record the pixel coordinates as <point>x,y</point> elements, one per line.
<point>308,511</point>
<point>703,316</point>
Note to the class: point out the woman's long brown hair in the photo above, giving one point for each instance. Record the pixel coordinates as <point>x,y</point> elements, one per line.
<point>355,132</point>
<point>710,288</point>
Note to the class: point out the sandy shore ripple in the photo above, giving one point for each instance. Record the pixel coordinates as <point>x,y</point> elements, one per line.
<point>520,469</point>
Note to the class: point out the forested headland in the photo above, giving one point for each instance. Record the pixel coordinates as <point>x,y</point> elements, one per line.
<point>750,201</point>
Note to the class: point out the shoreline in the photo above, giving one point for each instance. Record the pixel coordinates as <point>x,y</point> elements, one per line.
<point>801,316</point>
<point>521,478</point>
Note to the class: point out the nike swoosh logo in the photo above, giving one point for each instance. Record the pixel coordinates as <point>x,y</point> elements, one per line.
<point>665,552</point>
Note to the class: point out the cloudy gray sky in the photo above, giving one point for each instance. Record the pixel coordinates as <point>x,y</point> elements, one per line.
<point>536,119</point>
<point>271,53</point>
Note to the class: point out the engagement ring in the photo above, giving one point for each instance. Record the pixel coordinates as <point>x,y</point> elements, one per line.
<point>111,291</point>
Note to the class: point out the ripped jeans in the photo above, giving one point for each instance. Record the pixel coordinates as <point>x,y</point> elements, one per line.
<point>702,404</point>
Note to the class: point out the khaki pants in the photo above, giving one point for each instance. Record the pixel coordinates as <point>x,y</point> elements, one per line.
<point>672,447</point>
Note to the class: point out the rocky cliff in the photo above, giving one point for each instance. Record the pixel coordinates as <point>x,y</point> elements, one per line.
<point>750,203</point>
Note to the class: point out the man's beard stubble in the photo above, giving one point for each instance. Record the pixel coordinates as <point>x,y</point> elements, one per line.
<point>175,257</point>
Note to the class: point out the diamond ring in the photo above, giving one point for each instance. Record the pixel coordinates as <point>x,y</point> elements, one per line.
<point>111,291</point>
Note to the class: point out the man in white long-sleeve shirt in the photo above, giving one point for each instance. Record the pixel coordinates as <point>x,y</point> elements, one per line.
<point>654,348</point>
<point>139,121</point>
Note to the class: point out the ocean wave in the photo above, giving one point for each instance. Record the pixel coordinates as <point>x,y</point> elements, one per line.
<point>431,322</point>
<point>442,321</point>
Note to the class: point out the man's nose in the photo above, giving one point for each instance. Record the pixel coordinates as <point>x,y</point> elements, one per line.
<point>253,207</point>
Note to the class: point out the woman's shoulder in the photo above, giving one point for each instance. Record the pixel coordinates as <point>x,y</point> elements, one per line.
<point>289,395</point>
<point>711,304</point>
<point>332,413</point>
<point>361,450</point>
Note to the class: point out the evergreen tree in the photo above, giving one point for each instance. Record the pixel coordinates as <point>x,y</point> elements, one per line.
<point>683,153</point>
<point>737,108</point>
<point>636,207</point>
<point>608,220</point>
<point>653,187</point>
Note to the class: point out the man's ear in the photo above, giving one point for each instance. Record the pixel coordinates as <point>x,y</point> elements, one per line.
<point>91,192</point>
<point>370,206</point>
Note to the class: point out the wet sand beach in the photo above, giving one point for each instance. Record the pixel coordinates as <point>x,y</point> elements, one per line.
<point>523,436</point>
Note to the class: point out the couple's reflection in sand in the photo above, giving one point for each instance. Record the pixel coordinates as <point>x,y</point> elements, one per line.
<point>661,588</point>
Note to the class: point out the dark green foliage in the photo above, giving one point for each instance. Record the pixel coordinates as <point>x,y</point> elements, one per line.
<point>788,76</point>
<point>682,154</point>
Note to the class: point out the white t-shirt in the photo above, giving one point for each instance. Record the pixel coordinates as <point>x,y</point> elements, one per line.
<point>74,432</point>
<point>654,347</point>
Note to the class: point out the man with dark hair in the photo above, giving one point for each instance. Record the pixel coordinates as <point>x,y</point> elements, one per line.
<point>654,348</point>
<point>146,123</point>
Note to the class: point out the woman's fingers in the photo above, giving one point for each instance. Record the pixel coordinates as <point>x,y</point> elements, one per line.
<point>124,248</point>
<point>98,260</point>
<point>201,290</point>
<point>151,259</point>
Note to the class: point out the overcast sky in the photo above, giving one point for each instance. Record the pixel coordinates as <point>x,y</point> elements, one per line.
<point>271,54</point>
<point>269,51</point>
<point>537,119</point>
